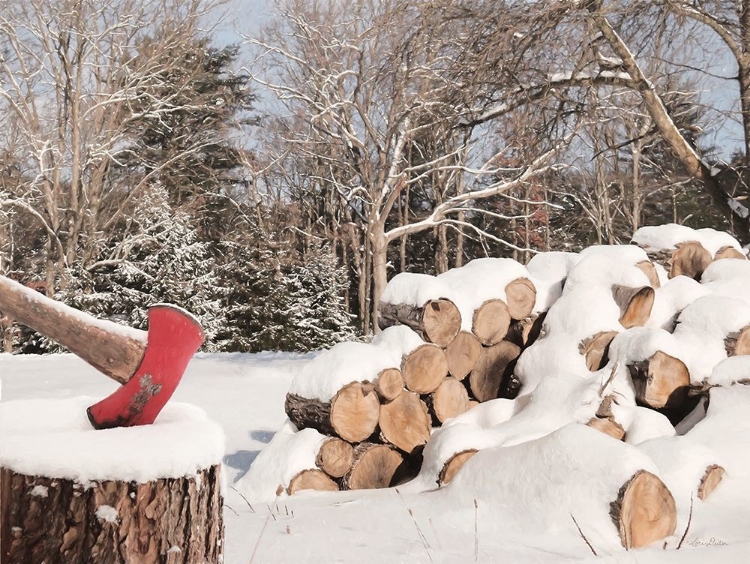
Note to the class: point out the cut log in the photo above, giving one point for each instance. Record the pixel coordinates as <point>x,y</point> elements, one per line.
<point>335,457</point>
<point>689,259</point>
<point>491,369</point>
<point>635,304</point>
<point>453,465</point>
<point>738,343</point>
<point>661,381</point>
<point>439,321</point>
<point>729,252</point>
<point>520,296</point>
<point>54,520</point>
<point>316,480</point>
<point>352,414</point>
<point>596,349</point>
<point>526,331</point>
<point>644,511</point>
<point>424,368</point>
<point>490,322</point>
<point>473,403</point>
<point>605,422</point>
<point>449,400</point>
<point>389,384</point>
<point>462,354</point>
<point>648,268</point>
<point>405,422</point>
<point>374,467</point>
<point>710,481</point>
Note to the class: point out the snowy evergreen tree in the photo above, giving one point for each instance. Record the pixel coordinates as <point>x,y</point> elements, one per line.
<point>159,259</point>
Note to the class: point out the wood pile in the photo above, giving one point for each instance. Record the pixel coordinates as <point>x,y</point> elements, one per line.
<point>647,329</point>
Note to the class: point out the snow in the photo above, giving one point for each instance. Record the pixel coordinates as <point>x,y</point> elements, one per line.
<point>399,339</point>
<point>625,254</point>
<point>39,491</point>
<point>645,424</point>
<point>414,289</point>
<point>524,494</point>
<point>730,371</point>
<point>106,513</point>
<point>671,298</point>
<point>340,365</point>
<point>667,237</point>
<point>726,269</point>
<point>548,273</point>
<point>53,437</point>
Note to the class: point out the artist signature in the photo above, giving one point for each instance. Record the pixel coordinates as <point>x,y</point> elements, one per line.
<point>713,541</point>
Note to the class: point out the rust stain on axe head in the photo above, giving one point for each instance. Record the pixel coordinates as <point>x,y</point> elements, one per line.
<point>147,390</point>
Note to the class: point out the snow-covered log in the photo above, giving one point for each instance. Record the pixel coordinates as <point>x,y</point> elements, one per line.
<point>421,302</point>
<point>74,494</point>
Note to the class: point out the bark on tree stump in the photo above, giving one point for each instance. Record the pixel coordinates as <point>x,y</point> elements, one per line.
<point>520,295</point>
<point>644,511</point>
<point>54,520</point>
<point>424,368</point>
<point>490,322</point>
<point>438,321</point>
<point>462,354</point>
<point>596,349</point>
<point>453,465</point>
<point>491,369</point>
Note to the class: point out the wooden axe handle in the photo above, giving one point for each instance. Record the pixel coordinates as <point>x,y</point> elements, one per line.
<point>111,348</point>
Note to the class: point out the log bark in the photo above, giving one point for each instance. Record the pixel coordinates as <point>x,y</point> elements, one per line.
<point>424,368</point>
<point>352,414</point>
<point>661,381</point>
<point>604,420</point>
<point>449,400</point>
<point>526,331</point>
<point>729,252</point>
<point>101,343</point>
<point>490,322</point>
<point>689,259</point>
<point>635,304</point>
<point>374,467</point>
<point>438,321</point>
<point>596,349</point>
<point>389,384</point>
<point>405,422</point>
<point>493,366</point>
<point>54,520</point>
<point>710,481</point>
<point>462,354</point>
<point>335,457</point>
<point>520,296</point>
<point>312,479</point>
<point>738,342</point>
<point>647,267</point>
<point>644,511</point>
<point>453,465</point>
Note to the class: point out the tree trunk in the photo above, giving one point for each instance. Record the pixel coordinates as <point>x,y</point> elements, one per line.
<point>379,250</point>
<point>167,521</point>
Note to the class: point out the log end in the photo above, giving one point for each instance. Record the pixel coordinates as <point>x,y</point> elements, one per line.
<point>316,480</point>
<point>441,321</point>
<point>453,465</point>
<point>520,295</point>
<point>710,481</point>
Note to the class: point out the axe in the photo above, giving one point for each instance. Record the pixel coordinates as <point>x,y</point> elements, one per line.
<point>149,365</point>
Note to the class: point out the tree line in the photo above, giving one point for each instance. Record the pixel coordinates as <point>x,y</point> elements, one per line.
<point>273,186</point>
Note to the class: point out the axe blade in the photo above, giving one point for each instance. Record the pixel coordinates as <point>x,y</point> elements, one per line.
<point>173,338</point>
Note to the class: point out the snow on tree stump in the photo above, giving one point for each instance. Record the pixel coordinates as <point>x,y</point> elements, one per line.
<point>69,493</point>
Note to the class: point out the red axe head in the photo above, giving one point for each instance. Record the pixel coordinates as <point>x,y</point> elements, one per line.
<point>173,338</point>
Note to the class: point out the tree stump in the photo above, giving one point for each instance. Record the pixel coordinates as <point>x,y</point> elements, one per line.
<point>50,520</point>
<point>139,495</point>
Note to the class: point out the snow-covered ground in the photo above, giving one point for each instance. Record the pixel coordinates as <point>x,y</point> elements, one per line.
<point>245,395</point>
